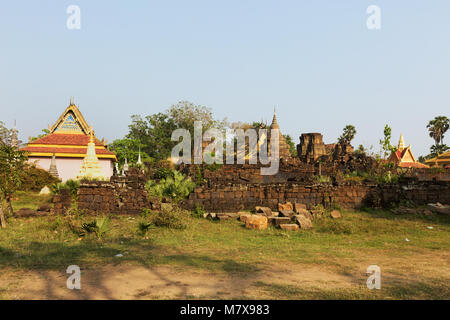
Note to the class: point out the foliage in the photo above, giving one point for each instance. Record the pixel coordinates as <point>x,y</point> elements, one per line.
<point>172,219</point>
<point>99,227</point>
<point>437,128</point>
<point>43,134</point>
<point>290,142</point>
<point>438,149</point>
<point>322,179</point>
<point>176,186</point>
<point>360,150</point>
<point>162,173</point>
<point>12,164</point>
<point>347,135</point>
<point>143,227</point>
<point>154,132</point>
<point>71,185</point>
<point>198,212</point>
<point>129,149</point>
<point>386,142</point>
<point>34,179</point>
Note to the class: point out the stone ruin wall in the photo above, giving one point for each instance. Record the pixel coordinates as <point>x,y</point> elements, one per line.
<point>235,197</point>
<point>241,187</point>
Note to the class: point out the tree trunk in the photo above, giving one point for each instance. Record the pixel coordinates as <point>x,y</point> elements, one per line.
<point>2,218</point>
<point>9,205</point>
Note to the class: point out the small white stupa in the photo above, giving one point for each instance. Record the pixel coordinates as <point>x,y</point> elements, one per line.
<point>90,167</point>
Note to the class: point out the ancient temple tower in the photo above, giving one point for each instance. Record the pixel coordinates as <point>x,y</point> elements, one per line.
<point>284,151</point>
<point>90,166</point>
<point>14,138</point>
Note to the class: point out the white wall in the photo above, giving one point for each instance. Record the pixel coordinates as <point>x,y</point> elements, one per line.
<point>69,168</point>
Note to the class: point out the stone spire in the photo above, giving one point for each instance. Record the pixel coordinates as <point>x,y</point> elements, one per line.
<point>274,124</point>
<point>53,170</point>
<point>90,167</point>
<point>125,165</point>
<point>401,143</point>
<point>14,138</point>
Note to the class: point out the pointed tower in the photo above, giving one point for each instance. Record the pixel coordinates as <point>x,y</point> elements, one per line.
<point>125,165</point>
<point>53,170</point>
<point>90,167</point>
<point>139,161</point>
<point>283,147</point>
<point>401,143</point>
<point>14,138</point>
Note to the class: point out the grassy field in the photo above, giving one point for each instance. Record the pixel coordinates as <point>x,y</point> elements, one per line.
<point>327,262</point>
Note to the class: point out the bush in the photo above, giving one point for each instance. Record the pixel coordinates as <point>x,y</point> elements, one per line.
<point>99,227</point>
<point>176,186</point>
<point>198,212</point>
<point>172,219</point>
<point>35,179</point>
<point>71,185</point>
<point>322,179</point>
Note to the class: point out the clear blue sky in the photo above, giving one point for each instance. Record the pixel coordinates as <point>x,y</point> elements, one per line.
<point>315,60</point>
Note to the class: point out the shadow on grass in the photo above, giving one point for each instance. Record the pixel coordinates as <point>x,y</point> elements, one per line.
<point>43,258</point>
<point>435,218</point>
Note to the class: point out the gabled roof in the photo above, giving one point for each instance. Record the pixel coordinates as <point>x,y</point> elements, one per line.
<point>70,121</point>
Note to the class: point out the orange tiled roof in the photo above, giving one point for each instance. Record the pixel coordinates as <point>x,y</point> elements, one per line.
<point>66,145</point>
<point>65,139</point>
<point>65,150</point>
<point>412,165</point>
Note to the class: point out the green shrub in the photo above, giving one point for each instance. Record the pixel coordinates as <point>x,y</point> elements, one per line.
<point>172,219</point>
<point>143,227</point>
<point>198,212</point>
<point>162,173</point>
<point>176,186</point>
<point>71,185</point>
<point>334,226</point>
<point>35,179</point>
<point>99,227</point>
<point>322,179</point>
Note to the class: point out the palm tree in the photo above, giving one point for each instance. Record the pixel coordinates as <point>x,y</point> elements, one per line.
<point>437,128</point>
<point>347,135</point>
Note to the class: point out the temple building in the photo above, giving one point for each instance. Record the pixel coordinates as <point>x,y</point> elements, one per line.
<point>442,160</point>
<point>70,148</point>
<point>404,157</point>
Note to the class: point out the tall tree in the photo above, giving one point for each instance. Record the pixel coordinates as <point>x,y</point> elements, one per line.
<point>12,165</point>
<point>153,133</point>
<point>386,142</point>
<point>347,135</point>
<point>437,128</point>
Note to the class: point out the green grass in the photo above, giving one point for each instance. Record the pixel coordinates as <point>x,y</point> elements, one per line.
<point>48,243</point>
<point>29,200</point>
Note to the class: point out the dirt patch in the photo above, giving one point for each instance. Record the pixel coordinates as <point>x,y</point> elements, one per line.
<point>162,282</point>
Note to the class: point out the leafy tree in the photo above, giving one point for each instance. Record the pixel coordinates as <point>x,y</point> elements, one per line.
<point>12,165</point>
<point>153,133</point>
<point>43,134</point>
<point>129,149</point>
<point>348,134</point>
<point>290,142</point>
<point>437,128</point>
<point>386,142</point>
<point>438,149</point>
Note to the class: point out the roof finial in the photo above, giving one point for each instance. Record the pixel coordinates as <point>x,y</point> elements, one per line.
<point>401,142</point>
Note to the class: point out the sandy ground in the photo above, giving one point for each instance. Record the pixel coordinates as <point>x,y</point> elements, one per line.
<point>174,282</point>
<point>163,282</point>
